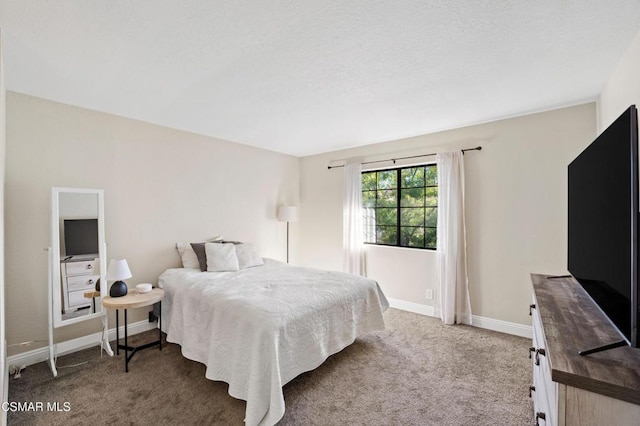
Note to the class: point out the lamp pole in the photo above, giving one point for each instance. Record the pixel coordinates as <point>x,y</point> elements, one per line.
<point>287,214</point>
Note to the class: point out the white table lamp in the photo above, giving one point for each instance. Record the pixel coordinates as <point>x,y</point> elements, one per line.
<point>118,271</point>
<point>287,214</point>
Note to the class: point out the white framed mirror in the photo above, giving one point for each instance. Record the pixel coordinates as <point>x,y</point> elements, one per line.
<point>78,255</point>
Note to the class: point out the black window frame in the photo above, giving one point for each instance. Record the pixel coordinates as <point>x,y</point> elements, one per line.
<point>399,188</point>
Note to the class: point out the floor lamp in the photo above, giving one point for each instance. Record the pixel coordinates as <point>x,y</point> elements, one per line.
<point>287,214</point>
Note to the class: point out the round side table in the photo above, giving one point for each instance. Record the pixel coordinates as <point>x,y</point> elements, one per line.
<point>130,301</point>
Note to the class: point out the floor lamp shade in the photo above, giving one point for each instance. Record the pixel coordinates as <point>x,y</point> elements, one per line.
<point>118,271</point>
<point>287,214</point>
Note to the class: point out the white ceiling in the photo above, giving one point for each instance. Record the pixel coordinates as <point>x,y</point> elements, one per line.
<point>304,77</point>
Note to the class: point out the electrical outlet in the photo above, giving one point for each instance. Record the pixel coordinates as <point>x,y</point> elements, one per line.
<point>429,294</point>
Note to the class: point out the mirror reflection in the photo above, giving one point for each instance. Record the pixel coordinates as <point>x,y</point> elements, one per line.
<point>78,257</point>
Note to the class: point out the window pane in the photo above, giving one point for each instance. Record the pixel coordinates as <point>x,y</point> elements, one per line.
<point>412,177</point>
<point>431,216</point>
<point>413,197</point>
<point>369,181</point>
<point>387,235</point>
<point>386,216</point>
<point>412,217</point>
<point>368,198</point>
<point>412,237</point>
<point>387,198</point>
<point>369,224</point>
<point>431,175</point>
<point>430,237</point>
<point>431,196</point>
<point>388,179</point>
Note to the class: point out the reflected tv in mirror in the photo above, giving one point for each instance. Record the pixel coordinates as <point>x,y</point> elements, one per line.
<point>80,236</point>
<point>603,223</point>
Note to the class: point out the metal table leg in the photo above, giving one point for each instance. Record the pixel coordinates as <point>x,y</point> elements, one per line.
<point>117,334</point>
<point>129,351</point>
<point>126,345</point>
<point>160,323</point>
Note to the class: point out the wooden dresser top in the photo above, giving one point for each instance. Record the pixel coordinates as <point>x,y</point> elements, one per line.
<point>572,322</point>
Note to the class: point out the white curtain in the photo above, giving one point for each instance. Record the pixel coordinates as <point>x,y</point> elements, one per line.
<point>352,228</point>
<point>452,286</point>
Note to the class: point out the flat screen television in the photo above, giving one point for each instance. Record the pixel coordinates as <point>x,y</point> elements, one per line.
<point>80,236</point>
<point>603,223</point>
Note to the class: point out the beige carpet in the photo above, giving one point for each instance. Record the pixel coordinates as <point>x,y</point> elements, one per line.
<point>417,372</point>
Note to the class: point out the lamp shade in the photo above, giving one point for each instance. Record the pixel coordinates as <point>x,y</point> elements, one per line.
<point>287,213</point>
<point>118,270</point>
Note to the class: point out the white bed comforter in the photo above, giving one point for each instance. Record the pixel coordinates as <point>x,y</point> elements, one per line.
<point>258,328</point>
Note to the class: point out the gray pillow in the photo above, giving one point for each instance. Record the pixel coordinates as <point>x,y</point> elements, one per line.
<point>198,249</point>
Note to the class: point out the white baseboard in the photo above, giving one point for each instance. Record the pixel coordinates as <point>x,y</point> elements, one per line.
<point>416,308</point>
<point>478,321</point>
<point>503,326</point>
<point>42,354</point>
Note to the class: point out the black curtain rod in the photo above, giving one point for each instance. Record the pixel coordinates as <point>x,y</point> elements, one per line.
<point>477,148</point>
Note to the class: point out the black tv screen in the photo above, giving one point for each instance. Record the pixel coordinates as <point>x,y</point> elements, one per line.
<point>603,223</point>
<point>80,236</point>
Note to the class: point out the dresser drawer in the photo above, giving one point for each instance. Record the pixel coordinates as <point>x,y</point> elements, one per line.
<point>545,400</point>
<point>81,268</point>
<point>77,299</point>
<point>82,282</point>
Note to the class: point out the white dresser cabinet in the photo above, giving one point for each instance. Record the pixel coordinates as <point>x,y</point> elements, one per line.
<point>569,389</point>
<point>78,277</point>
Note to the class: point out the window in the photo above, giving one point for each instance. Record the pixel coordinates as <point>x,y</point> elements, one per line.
<point>401,206</point>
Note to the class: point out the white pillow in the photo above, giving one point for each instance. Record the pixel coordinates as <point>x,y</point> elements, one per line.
<point>248,256</point>
<point>189,258</point>
<point>221,257</point>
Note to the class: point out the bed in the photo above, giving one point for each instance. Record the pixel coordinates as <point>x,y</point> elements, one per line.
<point>258,328</point>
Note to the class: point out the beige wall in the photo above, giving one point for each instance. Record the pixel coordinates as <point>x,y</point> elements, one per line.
<point>160,186</point>
<point>623,87</point>
<point>515,209</point>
